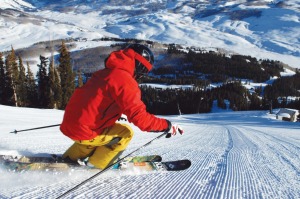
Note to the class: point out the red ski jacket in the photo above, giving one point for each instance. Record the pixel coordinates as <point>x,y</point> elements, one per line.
<point>110,93</point>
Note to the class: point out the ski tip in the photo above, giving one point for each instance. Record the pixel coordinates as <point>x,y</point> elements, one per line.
<point>187,163</point>
<point>178,165</point>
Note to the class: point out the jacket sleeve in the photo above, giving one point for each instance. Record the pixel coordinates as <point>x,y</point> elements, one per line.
<point>127,94</point>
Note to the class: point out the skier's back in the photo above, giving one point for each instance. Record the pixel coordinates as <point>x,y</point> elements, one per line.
<point>91,114</point>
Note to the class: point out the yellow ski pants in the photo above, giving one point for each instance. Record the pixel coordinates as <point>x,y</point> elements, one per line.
<point>103,149</point>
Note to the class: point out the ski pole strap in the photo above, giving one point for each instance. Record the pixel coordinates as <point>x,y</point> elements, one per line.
<point>109,166</point>
<point>42,127</point>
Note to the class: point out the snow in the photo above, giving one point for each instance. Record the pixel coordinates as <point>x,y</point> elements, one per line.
<point>163,87</point>
<point>274,35</point>
<point>233,154</point>
<point>14,4</point>
<point>287,72</point>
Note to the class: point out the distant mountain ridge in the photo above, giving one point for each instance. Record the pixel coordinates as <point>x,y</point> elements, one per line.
<point>263,29</point>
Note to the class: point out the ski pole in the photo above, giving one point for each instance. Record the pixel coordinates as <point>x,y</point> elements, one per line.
<point>42,127</point>
<point>109,166</point>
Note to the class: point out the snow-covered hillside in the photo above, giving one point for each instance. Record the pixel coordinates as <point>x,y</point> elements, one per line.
<point>259,28</point>
<point>233,154</point>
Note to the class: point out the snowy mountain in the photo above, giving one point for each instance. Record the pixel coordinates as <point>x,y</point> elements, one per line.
<point>259,28</point>
<point>233,154</point>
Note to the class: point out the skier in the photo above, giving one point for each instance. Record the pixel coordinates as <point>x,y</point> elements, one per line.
<point>91,114</point>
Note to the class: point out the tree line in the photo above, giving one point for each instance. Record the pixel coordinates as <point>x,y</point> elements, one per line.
<point>220,67</point>
<point>283,88</point>
<point>196,100</point>
<point>175,101</point>
<point>53,85</point>
<point>50,88</point>
<point>201,68</point>
<point>200,100</point>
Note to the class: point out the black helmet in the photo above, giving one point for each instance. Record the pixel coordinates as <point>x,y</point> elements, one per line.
<point>142,67</point>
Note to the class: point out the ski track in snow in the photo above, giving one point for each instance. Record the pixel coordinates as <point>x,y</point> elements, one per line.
<point>233,154</point>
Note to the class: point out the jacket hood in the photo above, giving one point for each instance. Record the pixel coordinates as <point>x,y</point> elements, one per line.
<point>122,59</point>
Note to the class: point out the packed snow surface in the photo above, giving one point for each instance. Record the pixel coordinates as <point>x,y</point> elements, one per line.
<point>233,154</point>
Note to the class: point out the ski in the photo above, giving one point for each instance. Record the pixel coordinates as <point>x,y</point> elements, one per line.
<point>177,165</point>
<point>136,164</point>
<point>55,162</point>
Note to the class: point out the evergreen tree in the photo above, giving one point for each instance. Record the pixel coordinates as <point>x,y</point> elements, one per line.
<point>58,90</point>
<point>31,88</point>
<point>2,80</point>
<point>15,75</point>
<point>21,89</point>
<point>54,84</point>
<point>11,80</point>
<point>255,102</point>
<point>80,79</point>
<point>43,83</point>
<point>66,75</point>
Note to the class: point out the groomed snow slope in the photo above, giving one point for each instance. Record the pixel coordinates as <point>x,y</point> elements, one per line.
<point>233,154</point>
